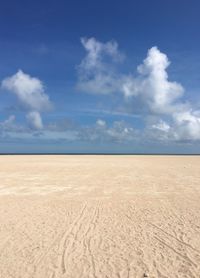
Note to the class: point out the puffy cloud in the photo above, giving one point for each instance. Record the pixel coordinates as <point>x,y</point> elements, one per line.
<point>184,127</point>
<point>34,120</point>
<point>101,123</point>
<point>160,131</point>
<point>31,95</point>
<point>162,126</point>
<point>152,84</point>
<point>164,97</point>
<point>96,51</point>
<point>187,125</point>
<point>150,90</point>
<point>96,71</point>
<point>29,91</point>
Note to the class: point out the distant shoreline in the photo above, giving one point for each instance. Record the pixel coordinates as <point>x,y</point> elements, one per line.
<point>165,154</point>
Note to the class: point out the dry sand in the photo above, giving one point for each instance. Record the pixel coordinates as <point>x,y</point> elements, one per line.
<point>99,216</point>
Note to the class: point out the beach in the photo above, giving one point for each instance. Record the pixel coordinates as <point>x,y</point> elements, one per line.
<point>99,216</point>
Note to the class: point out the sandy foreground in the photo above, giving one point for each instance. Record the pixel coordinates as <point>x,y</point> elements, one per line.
<point>99,216</point>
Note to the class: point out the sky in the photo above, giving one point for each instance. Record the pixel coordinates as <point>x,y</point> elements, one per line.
<point>100,76</point>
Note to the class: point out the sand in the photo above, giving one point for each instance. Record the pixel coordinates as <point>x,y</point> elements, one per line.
<point>99,216</point>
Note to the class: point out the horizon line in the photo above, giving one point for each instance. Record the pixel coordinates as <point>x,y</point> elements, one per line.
<point>93,153</point>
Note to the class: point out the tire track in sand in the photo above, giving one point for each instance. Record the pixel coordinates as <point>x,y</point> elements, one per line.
<point>62,246</point>
<point>79,237</point>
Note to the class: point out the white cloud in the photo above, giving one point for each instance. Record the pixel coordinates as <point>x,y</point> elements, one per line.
<point>164,98</point>
<point>162,126</point>
<point>10,129</point>
<point>8,123</point>
<point>187,125</point>
<point>31,95</point>
<point>96,71</point>
<point>159,131</point>
<point>101,123</point>
<point>34,120</point>
<point>118,131</point>
<point>96,51</point>
<point>183,126</point>
<point>14,132</point>
<point>151,89</point>
<point>29,91</point>
<point>152,84</point>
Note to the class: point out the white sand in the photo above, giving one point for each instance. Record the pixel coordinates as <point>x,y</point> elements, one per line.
<point>99,216</point>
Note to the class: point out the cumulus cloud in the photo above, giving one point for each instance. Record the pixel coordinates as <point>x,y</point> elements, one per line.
<point>96,51</point>
<point>164,98</point>
<point>150,88</point>
<point>162,126</point>
<point>29,91</point>
<point>31,95</point>
<point>152,84</point>
<point>182,126</point>
<point>34,120</point>
<point>187,125</point>
<point>101,123</point>
<point>96,71</point>
<point>159,131</point>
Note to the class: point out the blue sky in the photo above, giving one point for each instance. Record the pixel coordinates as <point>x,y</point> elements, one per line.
<point>100,76</point>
